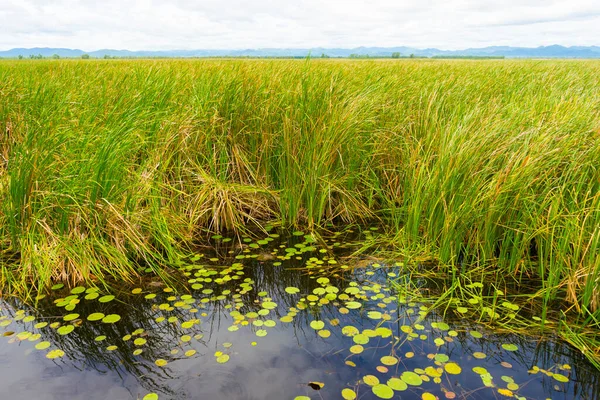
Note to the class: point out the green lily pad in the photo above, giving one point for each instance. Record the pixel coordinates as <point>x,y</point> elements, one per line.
<point>150,396</point>
<point>111,318</point>
<point>348,394</point>
<point>292,290</point>
<point>106,299</point>
<point>42,345</point>
<point>222,359</point>
<point>95,316</point>
<point>411,378</point>
<point>371,380</point>
<point>261,333</point>
<point>269,305</point>
<point>353,305</point>
<point>356,349</point>
<point>55,354</point>
<point>360,339</point>
<point>70,317</point>
<point>316,325</point>
<point>389,360</point>
<point>65,330</point>
<point>383,391</point>
<point>453,368</point>
<point>397,384</point>
<point>510,347</point>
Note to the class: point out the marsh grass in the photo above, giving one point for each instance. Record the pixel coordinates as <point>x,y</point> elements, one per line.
<point>109,165</point>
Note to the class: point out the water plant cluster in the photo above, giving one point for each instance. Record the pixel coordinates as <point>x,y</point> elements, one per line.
<point>235,310</point>
<point>486,170</point>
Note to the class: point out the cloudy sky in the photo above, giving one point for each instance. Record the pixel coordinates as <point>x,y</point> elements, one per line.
<point>237,24</point>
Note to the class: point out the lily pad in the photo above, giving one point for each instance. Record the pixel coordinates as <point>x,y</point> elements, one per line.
<point>510,347</point>
<point>371,380</point>
<point>55,354</point>
<point>411,378</point>
<point>348,394</point>
<point>111,318</point>
<point>316,325</point>
<point>453,368</point>
<point>222,359</point>
<point>389,360</point>
<point>65,330</point>
<point>95,316</point>
<point>106,299</point>
<point>383,391</point>
<point>397,384</point>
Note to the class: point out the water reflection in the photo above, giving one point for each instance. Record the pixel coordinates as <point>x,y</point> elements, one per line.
<point>223,286</point>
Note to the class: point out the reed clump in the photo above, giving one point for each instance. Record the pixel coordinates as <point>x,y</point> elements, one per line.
<point>106,166</point>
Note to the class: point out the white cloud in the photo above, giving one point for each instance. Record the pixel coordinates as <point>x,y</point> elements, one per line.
<point>235,24</point>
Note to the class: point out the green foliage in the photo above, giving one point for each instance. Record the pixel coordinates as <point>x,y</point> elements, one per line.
<point>106,164</point>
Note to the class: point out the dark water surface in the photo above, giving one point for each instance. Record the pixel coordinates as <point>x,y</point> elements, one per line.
<point>210,334</point>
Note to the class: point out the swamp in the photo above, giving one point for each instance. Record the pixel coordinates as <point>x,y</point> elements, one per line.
<point>300,229</point>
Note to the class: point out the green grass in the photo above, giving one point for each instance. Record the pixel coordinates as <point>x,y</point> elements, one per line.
<point>108,165</point>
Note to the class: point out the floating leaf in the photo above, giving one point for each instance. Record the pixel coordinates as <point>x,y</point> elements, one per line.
<point>356,349</point>
<point>374,314</point>
<point>479,355</point>
<point>150,396</point>
<point>350,331</point>
<point>397,384</point>
<point>57,286</point>
<point>269,305</point>
<point>161,362</point>
<point>111,318</point>
<point>371,380</point>
<point>353,305</point>
<point>383,391</point>
<point>55,354</point>
<point>453,368</point>
<point>106,299</point>
<point>389,360</point>
<point>428,396</point>
<point>411,378</point>
<point>348,394</point>
<point>560,378</point>
<point>441,357</point>
<point>222,359</point>
<point>360,339</point>
<point>316,385</point>
<point>510,347</point>
<point>324,333</point>
<point>95,316</point>
<point>476,334</point>
<point>261,333</point>
<point>292,290</point>
<point>42,345</point>
<point>70,317</point>
<point>317,324</point>
<point>65,330</point>
<point>139,341</point>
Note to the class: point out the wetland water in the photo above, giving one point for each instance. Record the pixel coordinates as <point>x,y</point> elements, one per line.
<point>273,319</point>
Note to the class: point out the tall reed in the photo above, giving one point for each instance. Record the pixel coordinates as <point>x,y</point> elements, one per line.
<point>107,166</point>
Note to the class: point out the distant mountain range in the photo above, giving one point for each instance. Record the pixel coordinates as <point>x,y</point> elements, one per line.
<point>554,51</point>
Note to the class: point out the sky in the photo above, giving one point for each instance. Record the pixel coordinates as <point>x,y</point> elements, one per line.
<point>240,24</point>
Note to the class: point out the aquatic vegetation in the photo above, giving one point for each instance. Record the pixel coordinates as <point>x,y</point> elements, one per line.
<point>463,163</point>
<point>183,329</point>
